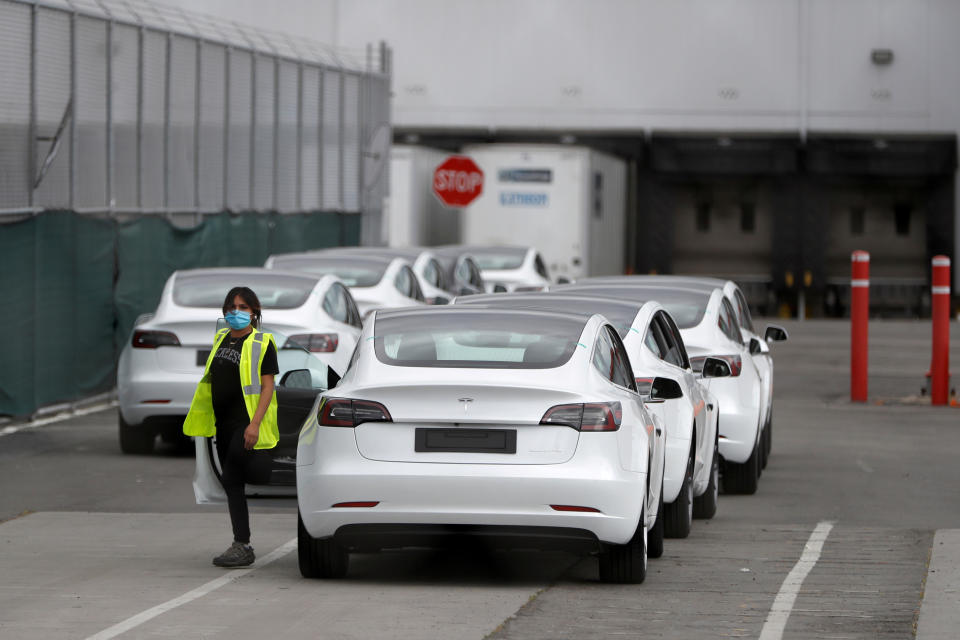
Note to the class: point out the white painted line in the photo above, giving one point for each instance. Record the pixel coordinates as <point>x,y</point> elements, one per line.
<point>940,290</point>
<point>190,596</point>
<point>60,417</point>
<point>783,604</point>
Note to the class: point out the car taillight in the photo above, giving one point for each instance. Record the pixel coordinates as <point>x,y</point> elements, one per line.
<point>736,364</point>
<point>317,342</point>
<point>344,412</point>
<point>644,385</point>
<point>154,339</point>
<point>591,416</point>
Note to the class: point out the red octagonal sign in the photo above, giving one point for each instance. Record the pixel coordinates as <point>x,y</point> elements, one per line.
<point>457,181</point>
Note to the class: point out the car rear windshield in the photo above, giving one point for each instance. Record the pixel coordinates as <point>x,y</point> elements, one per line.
<point>355,272</point>
<point>275,291</point>
<point>499,259</point>
<point>686,306</point>
<point>495,339</point>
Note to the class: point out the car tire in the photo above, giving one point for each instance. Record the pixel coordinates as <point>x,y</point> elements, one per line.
<point>679,514</point>
<point>626,563</point>
<point>705,505</point>
<point>135,438</point>
<point>655,535</point>
<point>742,478</point>
<point>320,558</point>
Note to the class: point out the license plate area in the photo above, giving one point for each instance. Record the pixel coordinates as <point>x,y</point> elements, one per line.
<point>202,355</point>
<point>466,440</point>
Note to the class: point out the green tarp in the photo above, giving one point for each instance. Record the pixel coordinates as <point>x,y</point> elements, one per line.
<point>74,285</point>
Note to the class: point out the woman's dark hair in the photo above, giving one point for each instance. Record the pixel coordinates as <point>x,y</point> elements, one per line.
<point>248,296</point>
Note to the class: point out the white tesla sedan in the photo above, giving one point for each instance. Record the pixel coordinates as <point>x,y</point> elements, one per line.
<point>375,282</point>
<point>656,350</point>
<point>523,427</point>
<point>509,268</point>
<point>430,273</point>
<point>162,362</point>
<point>709,328</point>
<point>759,347</point>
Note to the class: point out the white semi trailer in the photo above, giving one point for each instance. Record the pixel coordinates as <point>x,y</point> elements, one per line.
<point>567,201</point>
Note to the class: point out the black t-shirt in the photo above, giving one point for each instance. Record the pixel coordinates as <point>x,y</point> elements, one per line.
<point>228,405</point>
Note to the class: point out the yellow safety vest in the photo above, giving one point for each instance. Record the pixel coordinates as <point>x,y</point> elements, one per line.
<point>201,421</point>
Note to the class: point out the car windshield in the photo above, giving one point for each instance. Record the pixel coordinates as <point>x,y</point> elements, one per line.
<point>274,290</point>
<point>487,339</point>
<point>354,271</point>
<point>292,356</point>
<point>499,258</point>
<point>686,306</point>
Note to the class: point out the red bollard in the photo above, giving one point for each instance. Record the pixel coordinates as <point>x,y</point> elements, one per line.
<point>859,317</point>
<point>940,363</point>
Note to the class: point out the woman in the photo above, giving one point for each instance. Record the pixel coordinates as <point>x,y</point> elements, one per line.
<point>235,401</point>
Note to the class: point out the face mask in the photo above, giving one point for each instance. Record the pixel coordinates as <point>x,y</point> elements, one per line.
<point>237,319</point>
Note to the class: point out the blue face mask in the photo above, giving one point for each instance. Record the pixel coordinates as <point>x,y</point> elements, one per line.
<point>237,319</point>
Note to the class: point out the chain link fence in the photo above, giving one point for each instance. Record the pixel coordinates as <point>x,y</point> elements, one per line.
<point>137,140</point>
<point>126,107</point>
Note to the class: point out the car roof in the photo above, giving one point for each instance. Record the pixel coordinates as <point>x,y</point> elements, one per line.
<point>690,282</point>
<point>387,252</point>
<point>482,249</point>
<point>550,299</point>
<point>345,257</point>
<point>611,287</point>
<point>241,271</point>
<point>534,313</point>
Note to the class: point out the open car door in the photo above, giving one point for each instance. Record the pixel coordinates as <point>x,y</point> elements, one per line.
<point>301,379</point>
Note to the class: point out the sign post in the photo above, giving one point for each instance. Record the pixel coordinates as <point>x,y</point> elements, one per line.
<point>859,320</point>
<point>457,181</point>
<point>940,363</point>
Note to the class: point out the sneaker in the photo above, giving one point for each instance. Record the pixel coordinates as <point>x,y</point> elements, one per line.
<point>236,555</point>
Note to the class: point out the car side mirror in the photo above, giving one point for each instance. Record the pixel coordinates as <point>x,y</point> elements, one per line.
<point>716,368</point>
<point>665,389</point>
<point>499,288</point>
<point>755,347</point>
<point>441,300</point>
<point>563,280</point>
<point>297,379</point>
<point>775,333</point>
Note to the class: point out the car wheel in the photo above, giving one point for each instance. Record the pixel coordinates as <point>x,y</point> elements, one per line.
<point>319,558</point>
<point>655,535</point>
<point>626,563</point>
<point>679,514</point>
<point>742,478</point>
<point>705,506</point>
<point>135,438</point>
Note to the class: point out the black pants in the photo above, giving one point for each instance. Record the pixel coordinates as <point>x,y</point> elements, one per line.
<point>239,467</point>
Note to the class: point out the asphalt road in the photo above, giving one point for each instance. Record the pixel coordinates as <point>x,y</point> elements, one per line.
<point>91,539</point>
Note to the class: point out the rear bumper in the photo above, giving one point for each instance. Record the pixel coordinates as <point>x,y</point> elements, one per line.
<point>432,497</point>
<point>139,394</point>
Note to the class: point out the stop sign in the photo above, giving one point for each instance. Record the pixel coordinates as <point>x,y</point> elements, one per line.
<point>457,181</point>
